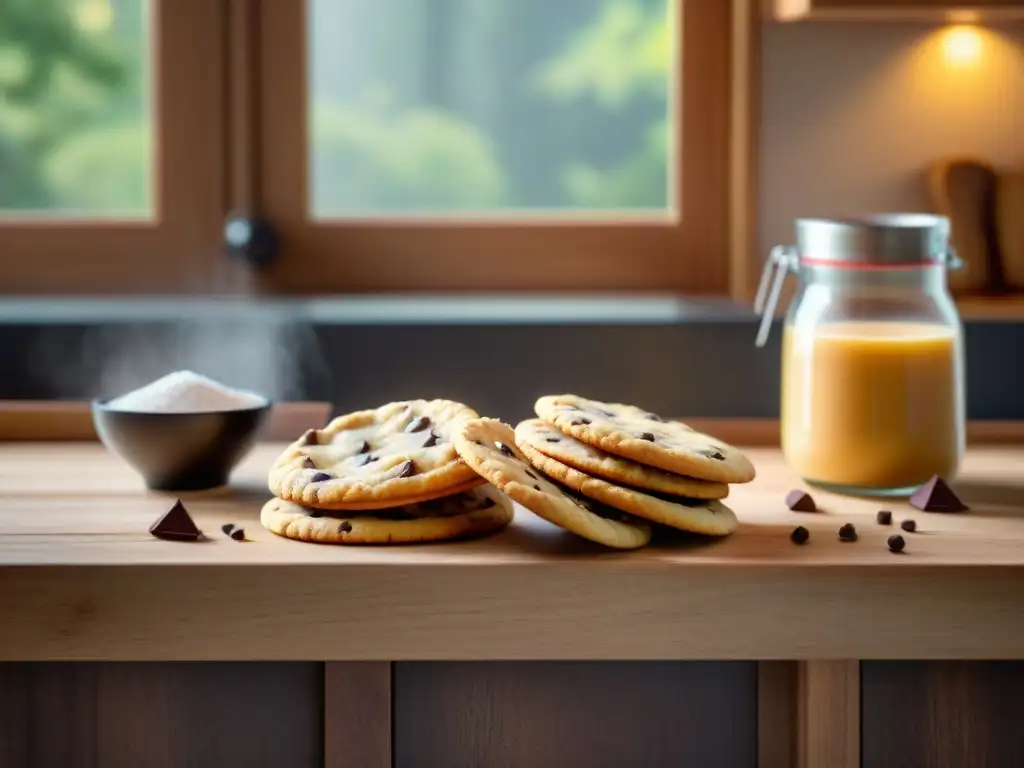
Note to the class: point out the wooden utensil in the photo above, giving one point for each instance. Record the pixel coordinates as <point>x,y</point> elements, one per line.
<point>1010,227</point>
<point>964,189</point>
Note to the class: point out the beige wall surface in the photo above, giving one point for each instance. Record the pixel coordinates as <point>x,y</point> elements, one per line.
<point>853,114</point>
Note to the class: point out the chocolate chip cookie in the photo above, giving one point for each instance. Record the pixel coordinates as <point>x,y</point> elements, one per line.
<point>645,437</point>
<point>473,513</point>
<point>489,447</point>
<point>544,438</point>
<point>397,454</point>
<point>709,517</point>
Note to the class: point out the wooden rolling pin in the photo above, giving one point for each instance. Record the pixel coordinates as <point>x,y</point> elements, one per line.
<point>964,190</point>
<point>1010,227</point>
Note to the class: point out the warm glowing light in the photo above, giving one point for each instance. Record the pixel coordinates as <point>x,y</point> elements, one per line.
<point>962,45</point>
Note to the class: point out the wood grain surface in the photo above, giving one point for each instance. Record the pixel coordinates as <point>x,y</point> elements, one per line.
<point>160,715</point>
<point>829,714</point>
<point>552,715</point>
<point>357,714</point>
<point>80,577</point>
<point>944,714</point>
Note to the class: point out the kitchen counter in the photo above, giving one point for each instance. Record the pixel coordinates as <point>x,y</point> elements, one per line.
<point>82,579</point>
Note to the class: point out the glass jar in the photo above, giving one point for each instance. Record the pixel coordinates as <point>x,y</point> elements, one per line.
<point>872,353</point>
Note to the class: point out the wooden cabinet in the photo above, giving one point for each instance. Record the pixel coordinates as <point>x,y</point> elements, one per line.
<point>893,10</point>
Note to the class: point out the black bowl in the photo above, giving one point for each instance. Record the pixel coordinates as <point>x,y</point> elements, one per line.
<point>180,451</point>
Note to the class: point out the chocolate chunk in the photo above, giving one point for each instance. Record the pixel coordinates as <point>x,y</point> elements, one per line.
<point>579,422</point>
<point>800,501</point>
<point>896,543</point>
<point>238,534</point>
<point>536,487</point>
<point>309,437</point>
<point>307,463</point>
<point>314,513</point>
<point>936,496</point>
<point>506,450</point>
<point>800,535</point>
<point>712,455</point>
<point>176,524</point>
<point>847,532</point>
<point>552,439</point>
<point>344,527</point>
<point>227,528</point>
<point>431,440</point>
<point>884,517</point>
<point>418,424</point>
<point>365,459</point>
<point>528,472</point>
<point>909,526</point>
<point>319,477</point>
<point>364,448</point>
<point>649,437</point>
<point>405,469</point>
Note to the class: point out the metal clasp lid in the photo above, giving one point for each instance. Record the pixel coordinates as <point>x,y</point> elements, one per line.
<point>782,260</point>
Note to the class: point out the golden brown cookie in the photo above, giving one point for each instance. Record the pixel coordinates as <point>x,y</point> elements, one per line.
<point>645,437</point>
<point>544,438</point>
<point>473,513</point>
<point>711,518</point>
<point>489,447</point>
<point>399,453</point>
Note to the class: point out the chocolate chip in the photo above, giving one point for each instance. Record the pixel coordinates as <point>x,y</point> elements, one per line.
<point>309,437</point>
<point>307,463</point>
<point>313,512</point>
<point>896,543</point>
<point>431,440</point>
<point>227,528</point>
<point>418,424</point>
<point>712,455</point>
<point>364,448</point>
<point>365,459</point>
<point>552,439</point>
<point>936,496</point>
<point>405,469</point>
<point>506,450</point>
<point>800,535</point>
<point>800,501</point>
<point>884,517</point>
<point>344,527</point>
<point>847,532</point>
<point>648,436</point>
<point>536,487</point>
<point>528,472</point>
<point>909,526</point>
<point>238,534</point>
<point>319,477</point>
<point>579,422</point>
<point>653,417</point>
<point>176,524</point>
<point>609,414</point>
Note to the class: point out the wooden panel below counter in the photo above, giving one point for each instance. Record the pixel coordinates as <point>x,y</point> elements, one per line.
<point>80,578</point>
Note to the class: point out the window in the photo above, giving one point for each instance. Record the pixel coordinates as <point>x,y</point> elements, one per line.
<point>457,144</point>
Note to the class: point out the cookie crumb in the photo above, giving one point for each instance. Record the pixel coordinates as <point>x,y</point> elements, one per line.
<point>884,517</point>
<point>800,535</point>
<point>909,525</point>
<point>847,533</point>
<point>896,544</point>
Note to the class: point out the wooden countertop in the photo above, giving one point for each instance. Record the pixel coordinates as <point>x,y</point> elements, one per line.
<point>81,578</point>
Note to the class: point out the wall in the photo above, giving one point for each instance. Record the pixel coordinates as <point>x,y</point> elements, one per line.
<point>853,114</point>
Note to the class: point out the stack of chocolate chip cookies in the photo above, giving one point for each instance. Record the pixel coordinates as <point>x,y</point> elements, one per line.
<point>607,471</point>
<point>389,475</point>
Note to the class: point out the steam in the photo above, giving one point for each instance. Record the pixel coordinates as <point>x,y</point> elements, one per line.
<point>260,349</point>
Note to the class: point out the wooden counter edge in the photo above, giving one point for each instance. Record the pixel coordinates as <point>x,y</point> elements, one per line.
<point>65,421</point>
<point>524,611</point>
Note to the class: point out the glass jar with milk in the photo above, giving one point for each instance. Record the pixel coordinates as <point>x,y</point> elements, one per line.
<point>872,353</point>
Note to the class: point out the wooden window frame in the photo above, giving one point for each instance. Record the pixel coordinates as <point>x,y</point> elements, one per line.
<point>704,250</point>
<point>177,250</point>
